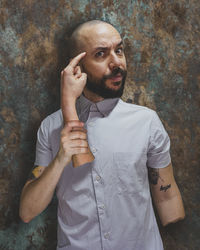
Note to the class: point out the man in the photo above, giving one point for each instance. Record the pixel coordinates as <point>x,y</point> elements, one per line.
<point>104,204</point>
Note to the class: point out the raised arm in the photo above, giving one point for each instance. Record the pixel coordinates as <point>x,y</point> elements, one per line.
<point>39,189</point>
<point>166,195</point>
<point>73,82</point>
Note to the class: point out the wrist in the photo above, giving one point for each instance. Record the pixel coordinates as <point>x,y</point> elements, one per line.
<point>71,100</point>
<point>61,161</point>
<point>69,110</point>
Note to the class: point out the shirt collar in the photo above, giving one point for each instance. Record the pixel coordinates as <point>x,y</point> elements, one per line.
<point>84,106</point>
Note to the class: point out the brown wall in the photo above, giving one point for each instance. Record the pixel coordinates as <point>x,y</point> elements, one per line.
<point>162,45</point>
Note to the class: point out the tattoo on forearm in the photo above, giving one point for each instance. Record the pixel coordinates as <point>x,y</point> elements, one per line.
<point>164,188</point>
<point>35,173</point>
<point>153,174</point>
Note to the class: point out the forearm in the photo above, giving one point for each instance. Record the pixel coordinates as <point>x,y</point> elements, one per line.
<point>69,110</point>
<point>37,194</point>
<point>69,114</point>
<point>171,210</point>
<point>169,203</point>
<point>166,195</point>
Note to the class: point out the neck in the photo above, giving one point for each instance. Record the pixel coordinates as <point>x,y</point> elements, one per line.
<point>92,96</point>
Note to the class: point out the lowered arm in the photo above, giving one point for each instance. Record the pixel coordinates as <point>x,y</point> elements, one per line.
<point>166,195</point>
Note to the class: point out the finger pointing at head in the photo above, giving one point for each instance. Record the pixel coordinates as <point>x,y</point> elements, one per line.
<point>75,61</point>
<point>77,71</point>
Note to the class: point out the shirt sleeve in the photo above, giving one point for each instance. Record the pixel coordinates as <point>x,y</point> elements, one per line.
<point>158,155</point>
<point>43,148</point>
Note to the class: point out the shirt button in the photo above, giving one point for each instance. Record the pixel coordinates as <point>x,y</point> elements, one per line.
<point>98,178</point>
<point>102,206</point>
<point>94,150</point>
<point>106,235</point>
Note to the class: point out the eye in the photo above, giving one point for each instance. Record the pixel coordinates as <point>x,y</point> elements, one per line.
<point>119,51</point>
<point>100,54</point>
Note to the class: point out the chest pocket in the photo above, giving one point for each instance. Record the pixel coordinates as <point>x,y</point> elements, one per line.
<point>130,169</point>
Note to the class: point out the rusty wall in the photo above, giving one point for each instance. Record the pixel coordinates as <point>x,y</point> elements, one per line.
<point>162,45</point>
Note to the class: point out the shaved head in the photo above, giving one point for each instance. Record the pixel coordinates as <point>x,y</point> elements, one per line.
<point>80,35</point>
<point>104,61</point>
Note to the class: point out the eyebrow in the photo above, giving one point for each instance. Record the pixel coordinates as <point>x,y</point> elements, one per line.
<point>105,48</point>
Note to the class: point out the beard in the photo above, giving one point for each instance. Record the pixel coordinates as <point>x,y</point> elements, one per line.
<point>98,86</point>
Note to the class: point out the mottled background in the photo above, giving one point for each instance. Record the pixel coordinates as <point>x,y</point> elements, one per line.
<point>162,45</point>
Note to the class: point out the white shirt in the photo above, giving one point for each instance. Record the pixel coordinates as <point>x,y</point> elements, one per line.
<point>106,205</point>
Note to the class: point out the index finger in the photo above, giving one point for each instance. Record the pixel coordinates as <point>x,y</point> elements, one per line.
<point>75,61</point>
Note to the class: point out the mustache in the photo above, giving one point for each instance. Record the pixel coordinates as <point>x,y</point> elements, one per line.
<point>115,72</point>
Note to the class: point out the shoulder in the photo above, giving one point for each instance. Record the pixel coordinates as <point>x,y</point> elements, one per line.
<point>53,120</point>
<point>129,108</point>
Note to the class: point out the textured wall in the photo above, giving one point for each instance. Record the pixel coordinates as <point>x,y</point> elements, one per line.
<point>162,44</point>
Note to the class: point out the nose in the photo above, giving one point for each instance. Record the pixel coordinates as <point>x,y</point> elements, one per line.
<point>115,61</point>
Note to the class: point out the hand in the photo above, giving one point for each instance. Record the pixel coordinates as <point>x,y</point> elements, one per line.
<point>73,141</point>
<point>73,80</point>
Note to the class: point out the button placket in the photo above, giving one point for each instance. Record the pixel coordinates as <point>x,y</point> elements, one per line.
<point>98,180</point>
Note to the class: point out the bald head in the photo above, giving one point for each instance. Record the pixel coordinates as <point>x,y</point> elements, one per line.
<point>104,61</point>
<point>84,32</point>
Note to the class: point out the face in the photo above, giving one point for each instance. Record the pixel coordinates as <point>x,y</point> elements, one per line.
<point>105,62</point>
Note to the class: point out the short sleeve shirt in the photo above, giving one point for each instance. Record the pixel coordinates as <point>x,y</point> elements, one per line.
<point>107,204</point>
